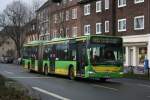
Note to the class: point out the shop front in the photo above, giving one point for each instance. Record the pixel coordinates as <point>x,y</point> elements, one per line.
<point>136,50</point>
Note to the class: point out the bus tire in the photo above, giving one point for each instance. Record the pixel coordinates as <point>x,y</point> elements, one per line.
<point>71,73</point>
<point>29,67</point>
<point>46,70</point>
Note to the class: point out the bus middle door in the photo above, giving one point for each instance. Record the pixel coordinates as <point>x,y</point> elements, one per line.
<point>80,59</point>
<point>52,59</point>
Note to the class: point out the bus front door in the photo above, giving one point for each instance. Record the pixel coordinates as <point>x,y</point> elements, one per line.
<point>52,66</point>
<point>80,60</point>
<point>52,59</point>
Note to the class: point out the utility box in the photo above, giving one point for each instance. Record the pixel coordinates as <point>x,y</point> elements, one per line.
<point>146,64</point>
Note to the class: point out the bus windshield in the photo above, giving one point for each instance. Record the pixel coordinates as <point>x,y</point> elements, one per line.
<point>105,54</point>
<point>30,52</point>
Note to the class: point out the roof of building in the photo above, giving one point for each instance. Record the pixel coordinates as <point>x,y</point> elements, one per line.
<point>45,5</point>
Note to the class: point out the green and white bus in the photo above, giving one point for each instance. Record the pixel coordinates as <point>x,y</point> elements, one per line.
<point>95,56</point>
<point>31,55</point>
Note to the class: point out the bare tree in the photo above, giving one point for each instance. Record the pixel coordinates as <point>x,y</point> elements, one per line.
<point>12,20</point>
<point>35,6</point>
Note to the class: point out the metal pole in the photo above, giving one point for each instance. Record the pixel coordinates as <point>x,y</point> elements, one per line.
<point>148,73</point>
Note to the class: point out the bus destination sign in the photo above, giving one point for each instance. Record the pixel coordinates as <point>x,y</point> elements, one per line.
<point>105,40</point>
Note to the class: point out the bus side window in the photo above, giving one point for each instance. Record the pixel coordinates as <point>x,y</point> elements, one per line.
<point>73,55</point>
<point>62,52</point>
<point>72,52</point>
<point>109,55</point>
<point>57,52</point>
<point>53,52</point>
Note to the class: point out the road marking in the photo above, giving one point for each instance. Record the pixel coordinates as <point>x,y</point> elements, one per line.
<point>144,85</point>
<point>30,77</point>
<point>50,93</point>
<point>9,72</point>
<point>148,96</point>
<point>101,86</point>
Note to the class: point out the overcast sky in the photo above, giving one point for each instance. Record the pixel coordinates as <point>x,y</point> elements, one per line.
<point>4,3</point>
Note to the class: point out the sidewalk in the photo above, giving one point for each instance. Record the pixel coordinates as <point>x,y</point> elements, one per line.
<point>136,73</point>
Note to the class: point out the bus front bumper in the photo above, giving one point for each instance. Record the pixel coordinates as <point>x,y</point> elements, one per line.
<point>92,74</point>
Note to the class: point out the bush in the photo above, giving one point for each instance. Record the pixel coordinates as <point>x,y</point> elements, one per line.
<point>11,90</point>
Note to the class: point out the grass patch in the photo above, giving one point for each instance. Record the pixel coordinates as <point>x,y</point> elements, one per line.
<point>11,90</point>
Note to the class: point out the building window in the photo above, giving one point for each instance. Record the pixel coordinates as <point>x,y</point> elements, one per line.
<point>106,26</point>
<point>33,27</point>
<point>67,32</point>
<point>61,14</point>
<point>87,29</point>
<point>64,1</point>
<point>121,3</point>
<point>142,54</point>
<point>139,23</point>
<point>47,37</point>
<point>55,18</point>
<point>61,31</point>
<point>67,15</point>
<point>98,6</point>
<point>74,13</point>
<point>54,34</point>
<point>106,4</point>
<point>98,28</point>
<point>7,42</point>
<point>58,4</point>
<point>74,31</point>
<point>87,9</point>
<point>138,1</point>
<point>121,25</point>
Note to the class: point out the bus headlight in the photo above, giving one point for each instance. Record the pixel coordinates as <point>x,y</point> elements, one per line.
<point>121,73</point>
<point>91,72</point>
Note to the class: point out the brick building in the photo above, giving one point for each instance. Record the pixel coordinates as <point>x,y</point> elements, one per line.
<point>61,19</point>
<point>43,21</point>
<point>65,19</point>
<point>95,14</point>
<point>31,31</point>
<point>133,24</point>
<point>127,18</point>
<point>7,47</point>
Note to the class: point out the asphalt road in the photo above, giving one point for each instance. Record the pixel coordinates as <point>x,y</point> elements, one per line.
<point>60,88</point>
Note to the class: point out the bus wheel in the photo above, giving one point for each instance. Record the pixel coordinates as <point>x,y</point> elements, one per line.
<point>29,69</point>
<point>46,70</point>
<point>103,79</point>
<point>71,73</point>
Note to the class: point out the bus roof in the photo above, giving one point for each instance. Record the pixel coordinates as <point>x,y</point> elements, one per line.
<point>62,40</point>
<point>34,43</point>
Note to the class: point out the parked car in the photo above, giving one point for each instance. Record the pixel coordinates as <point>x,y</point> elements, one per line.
<point>2,59</point>
<point>8,59</point>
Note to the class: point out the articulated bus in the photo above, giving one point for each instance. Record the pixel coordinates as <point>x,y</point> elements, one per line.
<point>31,56</point>
<point>96,57</point>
